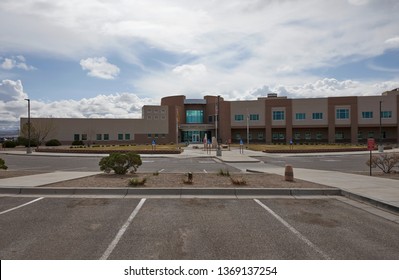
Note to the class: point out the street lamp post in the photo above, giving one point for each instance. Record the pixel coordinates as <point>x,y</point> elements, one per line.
<point>29,150</point>
<point>380,147</point>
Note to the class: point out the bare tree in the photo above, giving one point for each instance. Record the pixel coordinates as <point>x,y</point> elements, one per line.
<point>386,162</point>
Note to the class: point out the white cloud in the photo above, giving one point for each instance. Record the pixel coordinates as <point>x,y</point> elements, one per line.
<point>393,42</point>
<point>190,71</point>
<point>99,67</point>
<point>15,62</point>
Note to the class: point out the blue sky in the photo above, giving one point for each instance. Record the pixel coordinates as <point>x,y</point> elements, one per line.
<point>101,58</point>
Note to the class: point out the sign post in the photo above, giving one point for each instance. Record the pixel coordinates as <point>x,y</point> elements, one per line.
<point>370,147</point>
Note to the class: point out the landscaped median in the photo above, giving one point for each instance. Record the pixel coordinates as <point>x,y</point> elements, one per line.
<point>108,150</point>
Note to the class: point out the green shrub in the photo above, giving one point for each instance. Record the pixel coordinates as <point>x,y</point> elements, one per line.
<point>25,142</point>
<point>120,163</point>
<point>9,144</point>
<point>53,142</point>
<point>3,164</point>
<point>77,143</point>
<point>223,172</point>
<point>137,181</point>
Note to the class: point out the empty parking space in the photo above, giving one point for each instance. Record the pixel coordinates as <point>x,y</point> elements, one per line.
<point>275,228</point>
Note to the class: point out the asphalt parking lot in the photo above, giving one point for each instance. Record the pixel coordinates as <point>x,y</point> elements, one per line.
<point>130,228</point>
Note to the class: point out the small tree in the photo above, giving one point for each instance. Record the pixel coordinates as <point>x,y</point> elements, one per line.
<point>386,162</point>
<point>3,164</point>
<point>120,163</point>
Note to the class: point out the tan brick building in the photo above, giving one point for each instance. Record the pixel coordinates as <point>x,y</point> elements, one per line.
<point>270,119</point>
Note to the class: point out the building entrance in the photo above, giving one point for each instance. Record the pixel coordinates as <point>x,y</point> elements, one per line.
<point>195,136</point>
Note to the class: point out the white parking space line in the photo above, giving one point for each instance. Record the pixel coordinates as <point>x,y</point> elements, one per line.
<point>205,171</point>
<point>120,233</point>
<point>147,161</point>
<point>25,204</point>
<point>293,230</point>
<point>161,170</point>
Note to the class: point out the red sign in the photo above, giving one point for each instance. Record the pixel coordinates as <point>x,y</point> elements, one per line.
<point>370,144</point>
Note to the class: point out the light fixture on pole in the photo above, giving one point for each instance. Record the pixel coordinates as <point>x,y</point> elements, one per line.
<point>29,150</point>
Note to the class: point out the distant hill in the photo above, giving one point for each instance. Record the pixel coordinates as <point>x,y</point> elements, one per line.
<point>9,133</point>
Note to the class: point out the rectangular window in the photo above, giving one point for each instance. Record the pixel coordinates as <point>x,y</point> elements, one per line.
<point>99,137</point>
<point>76,137</point>
<point>194,116</point>
<point>275,136</point>
<point>308,135</point>
<point>300,116</point>
<point>359,135</point>
<point>149,135</point>
<point>120,136</point>
<point>163,111</point>
<point>163,118</point>
<point>278,115</point>
<point>254,117</point>
<point>367,115</point>
<point>297,136</point>
<point>370,134</point>
<point>210,119</point>
<point>238,136</point>
<point>250,136</point>
<point>342,114</point>
<point>260,136</point>
<point>127,136</point>
<point>84,137</point>
<point>149,117</point>
<point>339,135</point>
<point>163,135</point>
<point>156,135</point>
<point>238,118</point>
<point>386,114</point>
<point>281,136</point>
<point>319,136</point>
<point>317,116</point>
<point>106,136</point>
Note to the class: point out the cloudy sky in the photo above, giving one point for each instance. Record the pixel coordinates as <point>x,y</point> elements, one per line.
<point>106,58</point>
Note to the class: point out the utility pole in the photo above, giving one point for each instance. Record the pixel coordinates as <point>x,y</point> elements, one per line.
<point>247,128</point>
<point>29,150</point>
<point>380,147</point>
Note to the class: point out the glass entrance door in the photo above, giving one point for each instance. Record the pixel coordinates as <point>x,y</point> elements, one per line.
<point>195,137</point>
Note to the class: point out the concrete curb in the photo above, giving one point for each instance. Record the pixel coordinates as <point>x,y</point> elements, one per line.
<point>367,200</point>
<point>235,192</point>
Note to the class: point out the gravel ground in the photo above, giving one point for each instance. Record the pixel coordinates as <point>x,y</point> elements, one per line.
<point>16,173</point>
<point>172,180</point>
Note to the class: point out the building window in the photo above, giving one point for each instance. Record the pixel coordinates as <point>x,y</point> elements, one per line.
<point>260,136</point>
<point>163,118</point>
<point>155,111</point>
<point>254,117</point>
<point>339,135</point>
<point>99,137</point>
<point>149,117</point>
<point>120,136</point>
<point>342,114</point>
<point>163,135</point>
<point>210,119</point>
<point>278,115</point>
<point>317,116</point>
<point>76,137</point>
<point>359,135</point>
<point>163,111</point>
<point>156,117</point>
<point>149,111</point>
<point>155,135</point>
<point>127,136</point>
<point>308,135</point>
<point>386,114</point>
<point>106,136</point>
<point>84,137</point>
<point>367,115</point>
<point>319,135</point>
<point>278,136</point>
<point>238,118</point>
<point>238,136</point>
<point>300,116</point>
<point>149,135</point>
<point>194,116</point>
<point>297,136</point>
<point>370,134</point>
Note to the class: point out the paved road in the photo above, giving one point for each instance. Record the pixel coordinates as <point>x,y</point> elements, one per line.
<point>343,163</point>
<point>85,228</point>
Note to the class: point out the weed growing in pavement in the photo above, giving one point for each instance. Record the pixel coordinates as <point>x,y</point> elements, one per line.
<point>156,173</point>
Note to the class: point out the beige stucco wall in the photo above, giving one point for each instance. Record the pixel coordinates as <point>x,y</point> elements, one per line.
<point>64,129</point>
<point>372,103</point>
<point>245,108</point>
<point>310,106</point>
